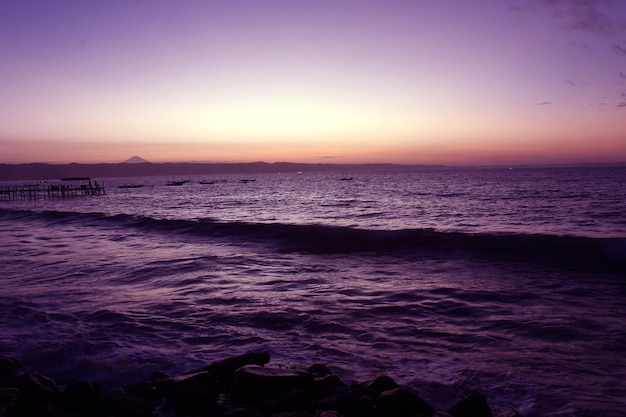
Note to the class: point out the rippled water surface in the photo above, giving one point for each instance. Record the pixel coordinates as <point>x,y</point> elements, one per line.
<point>511,282</point>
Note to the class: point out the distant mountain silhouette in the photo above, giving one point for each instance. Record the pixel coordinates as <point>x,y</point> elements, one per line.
<point>41,171</point>
<point>135,160</point>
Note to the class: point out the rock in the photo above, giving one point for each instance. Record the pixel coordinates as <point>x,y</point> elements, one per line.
<point>400,402</point>
<point>47,410</point>
<point>117,402</point>
<point>169,385</point>
<point>8,399</point>
<point>191,394</point>
<point>223,371</point>
<point>244,410</point>
<point>327,413</point>
<point>235,387</point>
<point>273,390</point>
<point>298,413</point>
<point>37,389</point>
<point>81,395</point>
<point>379,384</point>
<point>8,368</point>
<point>323,378</point>
<point>254,378</point>
<point>228,408</point>
<point>473,404</point>
<point>319,371</point>
<point>346,401</point>
<point>509,413</point>
<point>329,383</point>
<point>147,388</point>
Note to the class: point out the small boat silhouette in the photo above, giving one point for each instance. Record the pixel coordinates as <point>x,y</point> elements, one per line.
<point>177,182</point>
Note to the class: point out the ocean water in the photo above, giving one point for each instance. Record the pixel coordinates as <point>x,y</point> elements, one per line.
<point>512,282</point>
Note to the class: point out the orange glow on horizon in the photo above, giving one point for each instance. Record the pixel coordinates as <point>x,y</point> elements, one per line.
<point>505,151</point>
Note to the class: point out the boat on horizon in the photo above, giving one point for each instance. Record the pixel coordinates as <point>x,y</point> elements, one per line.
<point>177,182</point>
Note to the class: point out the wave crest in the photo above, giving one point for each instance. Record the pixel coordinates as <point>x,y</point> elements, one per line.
<point>586,252</point>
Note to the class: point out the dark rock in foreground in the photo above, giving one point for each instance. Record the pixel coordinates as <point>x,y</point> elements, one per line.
<point>240,386</point>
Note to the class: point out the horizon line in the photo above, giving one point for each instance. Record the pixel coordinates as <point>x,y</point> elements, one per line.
<point>470,165</point>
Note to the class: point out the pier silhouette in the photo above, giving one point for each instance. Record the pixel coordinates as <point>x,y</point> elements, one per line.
<point>65,188</point>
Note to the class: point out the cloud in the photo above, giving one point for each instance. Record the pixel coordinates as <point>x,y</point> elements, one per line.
<point>543,103</point>
<point>618,50</point>
<point>593,16</point>
<point>583,15</point>
<point>592,21</point>
<point>622,75</point>
<point>570,82</point>
<point>622,104</point>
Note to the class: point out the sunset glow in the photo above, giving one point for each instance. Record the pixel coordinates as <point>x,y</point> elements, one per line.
<point>520,81</point>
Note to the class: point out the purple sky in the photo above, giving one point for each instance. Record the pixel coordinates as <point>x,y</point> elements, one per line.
<point>446,81</point>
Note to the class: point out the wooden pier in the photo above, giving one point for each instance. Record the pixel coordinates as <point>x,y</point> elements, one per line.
<point>66,188</point>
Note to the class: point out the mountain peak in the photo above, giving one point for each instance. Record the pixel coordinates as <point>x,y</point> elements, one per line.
<point>135,160</point>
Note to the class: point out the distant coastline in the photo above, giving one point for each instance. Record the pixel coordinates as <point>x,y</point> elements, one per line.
<point>43,171</point>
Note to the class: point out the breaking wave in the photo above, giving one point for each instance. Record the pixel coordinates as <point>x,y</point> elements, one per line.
<point>587,252</point>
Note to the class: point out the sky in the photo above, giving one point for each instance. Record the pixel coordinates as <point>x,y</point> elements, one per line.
<point>328,81</point>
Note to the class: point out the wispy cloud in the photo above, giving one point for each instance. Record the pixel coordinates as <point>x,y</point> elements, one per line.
<point>622,104</point>
<point>618,49</point>
<point>570,82</point>
<point>587,18</point>
<point>593,16</point>
<point>543,103</point>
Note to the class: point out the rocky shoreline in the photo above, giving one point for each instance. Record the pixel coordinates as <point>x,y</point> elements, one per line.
<point>239,386</point>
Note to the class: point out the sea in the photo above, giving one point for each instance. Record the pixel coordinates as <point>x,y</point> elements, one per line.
<point>511,282</point>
